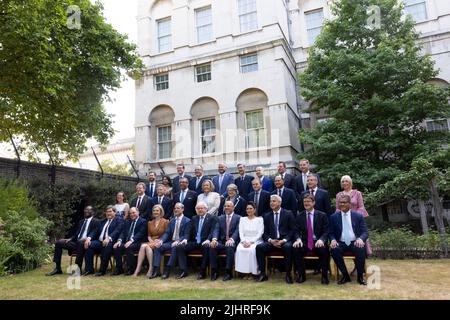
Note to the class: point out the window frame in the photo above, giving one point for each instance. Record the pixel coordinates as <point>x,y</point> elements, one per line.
<point>247,14</point>
<point>417,3</point>
<point>201,136</point>
<point>198,27</point>
<point>445,120</point>
<point>242,66</point>
<point>197,75</point>
<point>159,142</point>
<point>247,130</point>
<point>161,83</point>
<point>160,37</point>
<point>308,29</point>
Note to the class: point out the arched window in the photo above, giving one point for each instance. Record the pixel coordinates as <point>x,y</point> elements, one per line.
<point>161,132</point>
<point>205,126</point>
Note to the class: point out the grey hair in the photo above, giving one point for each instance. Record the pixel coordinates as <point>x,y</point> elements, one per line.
<point>275,196</point>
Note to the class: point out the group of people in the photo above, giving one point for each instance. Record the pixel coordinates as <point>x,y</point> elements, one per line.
<point>244,218</point>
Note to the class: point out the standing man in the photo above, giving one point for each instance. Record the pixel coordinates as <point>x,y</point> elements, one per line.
<point>225,238</point>
<point>348,232</point>
<point>243,182</point>
<point>301,181</point>
<point>197,181</point>
<point>222,180</point>
<point>164,201</point>
<point>289,179</point>
<point>181,174</point>
<point>150,189</point>
<point>187,197</point>
<point>321,196</point>
<point>260,197</point>
<point>288,195</point>
<point>133,234</point>
<point>86,232</point>
<point>311,234</point>
<point>279,228</point>
<point>142,202</point>
<point>266,183</point>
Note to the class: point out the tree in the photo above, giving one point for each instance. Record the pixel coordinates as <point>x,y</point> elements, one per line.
<point>373,83</point>
<point>121,169</point>
<point>56,72</point>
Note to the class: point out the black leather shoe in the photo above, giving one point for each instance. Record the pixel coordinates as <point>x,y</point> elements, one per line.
<point>227,277</point>
<point>165,276</point>
<point>214,276</point>
<point>182,275</point>
<point>129,273</point>
<point>155,274</point>
<point>117,272</point>
<point>344,279</point>
<point>52,273</point>
<point>262,278</point>
<point>201,276</point>
<point>99,274</point>
<point>301,279</point>
<point>288,279</point>
<point>325,280</point>
<point>361,281</point>
<point>87,273</point>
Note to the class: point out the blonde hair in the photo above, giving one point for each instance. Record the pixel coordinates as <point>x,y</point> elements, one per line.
<point>161,209</point>
<point>211,185</point>
<point>348,178</point>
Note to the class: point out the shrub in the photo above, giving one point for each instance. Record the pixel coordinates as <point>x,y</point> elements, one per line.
<point>14,197</point>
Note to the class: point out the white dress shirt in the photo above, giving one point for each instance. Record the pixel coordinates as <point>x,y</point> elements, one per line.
<point>84,235</point>
<point>347,218</point>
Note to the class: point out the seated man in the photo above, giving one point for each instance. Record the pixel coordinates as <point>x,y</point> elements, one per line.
<point>133,234</point>
<point>87,230</point>
<point>278,234</point>
<point>311,232</point>
<point>177,233</point>
<point>225,238</point>
<point>348,232</point>
<point>202,227</point>
<point>110,230</point>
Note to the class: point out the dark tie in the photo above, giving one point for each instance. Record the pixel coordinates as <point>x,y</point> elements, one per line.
<point>257,199</point>
<point>228,226</point>
<point>242,179</point>
<point>151,190</point>
<point>279,192</point>
<point>312,192</point>
<point>83,227</point>
<point>310,233</point>
<point>138,202</point>
<point>159,200</point>
<point>103,236</point>
<point>131,231</point>
<point>277,223</point>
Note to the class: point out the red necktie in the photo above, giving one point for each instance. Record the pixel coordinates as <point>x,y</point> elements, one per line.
<point>310,233</point>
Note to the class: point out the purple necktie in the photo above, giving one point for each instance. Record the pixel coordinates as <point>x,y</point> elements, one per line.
<point>310,233</point>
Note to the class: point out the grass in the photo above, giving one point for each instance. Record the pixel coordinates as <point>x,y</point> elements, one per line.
<point>400,279</point>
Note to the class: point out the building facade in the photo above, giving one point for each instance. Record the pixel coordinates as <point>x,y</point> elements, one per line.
<point>220,83</point>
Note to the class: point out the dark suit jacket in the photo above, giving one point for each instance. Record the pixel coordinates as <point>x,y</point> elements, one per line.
<point>115,228</point>
<point>140,231</point>
<point>227,180</point>
<point>358,225</point>
<point>145,209</point>
<point>264,201</point>
<point>289,200</point>
<point>286,226</point>
<point>147,190</point>
<point>244,186</point>
<point>92,231</point>
<point>194,181</point>
<point>190,201</point>
<point>323,202</point>
<point>320,227</point>
<point>207,229</point>
<point>289,181</point>
<point>176,183</point>
<point>220,231</point>
<point>267,184</point>
<point>184,231</point>
<point>167,205</point>
<point>239,206</point>
<point>299,183</point>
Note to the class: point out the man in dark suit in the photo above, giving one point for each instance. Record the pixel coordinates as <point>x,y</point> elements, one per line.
<point>181,174</point>
<point>301,181</point>
<point>197,181</point>
<point>289,179</point>
<point>87,231</point>
<point>348,232</point>
<point>133,234</point>
<point>109,231</point>
<point>164,201</point>
<point>243,182</point>
<point>279,227</point>
<point>222,180</point>
<point>311,233</point>
<point>288,195</point>
<point>260,197</point>
<point>142,202</point>
<point>225,238</point>
<point>150,189</point>
<point>177,233</point>
<point>321,196</point>
<point>202,227</point>
<point>266,182</point>
<point>187,197</point>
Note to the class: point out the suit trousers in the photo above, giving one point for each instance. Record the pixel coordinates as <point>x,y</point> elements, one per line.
<point>158,254</point>
<point>96,247</point>
<point>229,251</point>
<point>360,257</point>
<point>263,248</point>
<point>71,246</point>
<point>322,253</point>
<point>183,250</point>
<point>131,259</point>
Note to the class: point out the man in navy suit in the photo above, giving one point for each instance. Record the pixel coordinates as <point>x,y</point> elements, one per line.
<point>177,233</point>
<point>266,182</point>
<point>243,182</point>
<point>260,197</point>
<point>289,179</point>
<point>187,197</point>
<point>311,233</point>
<point>86,232</point>
<point>197,181</point>
<point>164,201</point>
<point>133,234</point>
<point>202,227</point>
<point>301,181</point>
<point>142,202</point>
<point>181,174</point>
<point>150,189</point>
<point>279,228</point>
<point>225,238</point>
<point>348,232</point>
<point>109,231</point>
<point>321,196</point>
<point>222,180</point>
<point>288,195</point>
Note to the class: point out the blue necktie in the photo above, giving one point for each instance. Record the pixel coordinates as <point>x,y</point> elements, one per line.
<point>199,232</point>
<point>345,230</point>
<point>182,196</point>
<point>151,190</point>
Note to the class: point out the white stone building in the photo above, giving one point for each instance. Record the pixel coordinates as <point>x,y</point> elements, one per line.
<point>221,85</point>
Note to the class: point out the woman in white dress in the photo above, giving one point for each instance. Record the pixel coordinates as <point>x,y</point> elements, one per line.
<point>251,229</point>
<point>122,207</point>
<point>211,198</point>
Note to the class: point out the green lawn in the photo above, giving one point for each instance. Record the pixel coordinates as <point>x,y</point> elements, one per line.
<point>400,279</point>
